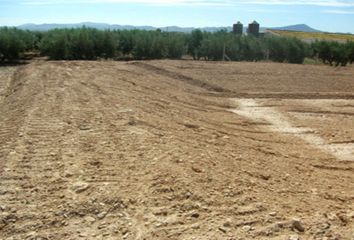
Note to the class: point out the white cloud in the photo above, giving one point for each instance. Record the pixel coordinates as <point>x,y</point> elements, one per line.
<point>267,11</point>
<point>147,2</point>
<point>166,2</point>
<point>37,2</point>
<point>339,12</point>
<point>327,3</point>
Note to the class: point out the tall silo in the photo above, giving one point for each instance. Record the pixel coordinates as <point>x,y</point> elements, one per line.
<point>253,29</point>
<point>238,28</point>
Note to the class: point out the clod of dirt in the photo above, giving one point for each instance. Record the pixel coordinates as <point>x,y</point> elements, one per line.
<point>195,215</point>
<point>90,219</point>
<point>101,215</point>
<point>296,224</point>
<point>272,214</point>
<point>223,229</point>
<point>277,227</point>
<point>192,126</point>
<point>68,174</point>
<point>84,127</point>
<point>197,170</point>
<point>227,224</point>
<point>344,219</point>
<point>247,228</point>
<point>125,110</point>
<point>95,163</point>
<point>80,187</point>
<point>265,176</point>
<point>294,237</point>
<point>195,226</point>
<point>350,215</point>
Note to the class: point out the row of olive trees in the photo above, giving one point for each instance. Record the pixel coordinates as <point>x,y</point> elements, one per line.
<point>213,46</point>
<point>334,53</point>
<point>76,44</point>
<point>14,42</point>
<point>90,44</point>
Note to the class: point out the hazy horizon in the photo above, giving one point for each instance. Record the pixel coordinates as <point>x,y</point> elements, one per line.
<point>325,15</point>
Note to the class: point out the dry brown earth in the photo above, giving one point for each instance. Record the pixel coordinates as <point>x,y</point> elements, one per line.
<point>176,150</point>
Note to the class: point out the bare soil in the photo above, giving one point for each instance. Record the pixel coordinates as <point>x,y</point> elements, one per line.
<point>176,150</point>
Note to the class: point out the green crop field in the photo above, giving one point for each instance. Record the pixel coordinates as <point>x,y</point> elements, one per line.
<point>315,35</point>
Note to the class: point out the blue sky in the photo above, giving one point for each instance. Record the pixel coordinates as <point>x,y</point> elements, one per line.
<point>326,15</point>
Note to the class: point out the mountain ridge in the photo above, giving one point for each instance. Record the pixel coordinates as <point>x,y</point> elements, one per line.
<point>50,26</point>
<point>297,27</point>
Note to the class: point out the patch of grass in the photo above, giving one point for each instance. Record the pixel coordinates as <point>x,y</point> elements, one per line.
<point>311,61</point>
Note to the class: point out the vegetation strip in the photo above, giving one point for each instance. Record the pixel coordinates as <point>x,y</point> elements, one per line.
<point>91,44</point>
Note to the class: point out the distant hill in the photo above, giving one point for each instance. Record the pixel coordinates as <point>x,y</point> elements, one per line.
<point>46,27</point>
<point>298,28</point>
<point>102,26</point>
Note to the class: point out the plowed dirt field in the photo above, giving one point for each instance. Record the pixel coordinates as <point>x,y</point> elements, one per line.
<point>176,150</point>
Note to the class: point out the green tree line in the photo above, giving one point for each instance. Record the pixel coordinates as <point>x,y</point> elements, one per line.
<point>14,42</point>
<point>90,44</point>
<point>334,53</point>
<point>213,46</point>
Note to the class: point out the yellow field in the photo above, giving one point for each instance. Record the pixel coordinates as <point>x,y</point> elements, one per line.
<point>315,36</point>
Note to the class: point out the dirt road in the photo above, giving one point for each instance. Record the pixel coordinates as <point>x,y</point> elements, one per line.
<point>176,150</point>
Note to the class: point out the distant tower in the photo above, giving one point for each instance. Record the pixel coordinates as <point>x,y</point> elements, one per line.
<point>238,28</point>
<point>253,29</point>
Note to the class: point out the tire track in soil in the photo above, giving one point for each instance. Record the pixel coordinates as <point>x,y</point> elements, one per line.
<point>35,162</point>
<point>6,75</point>
<point>12,112</point>
<point>180,77</point>
<point>100,160</point>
